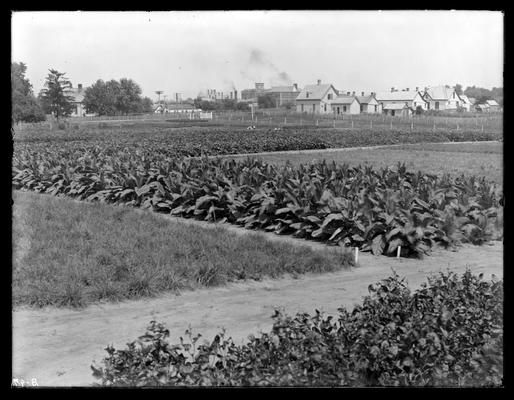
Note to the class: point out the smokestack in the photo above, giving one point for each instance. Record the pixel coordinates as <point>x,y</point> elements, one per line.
<point>295,87</point>
<point>231,94</point>
<point>319,81</point>
<point>235,94</point>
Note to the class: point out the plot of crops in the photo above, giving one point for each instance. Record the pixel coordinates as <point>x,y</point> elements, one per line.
<point>374,209</point>
<point>196,141</point>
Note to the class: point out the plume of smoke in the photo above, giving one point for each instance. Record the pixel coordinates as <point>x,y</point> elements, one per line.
<point>259,60</point>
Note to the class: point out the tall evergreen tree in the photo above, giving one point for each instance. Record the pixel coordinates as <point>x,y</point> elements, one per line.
<point>56,96</point>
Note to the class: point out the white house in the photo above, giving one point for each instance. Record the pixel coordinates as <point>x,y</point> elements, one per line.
<point>78,101</point>
<point>442,98</point>
<point>345,105</point>
<point>411,98</point>
<point>397,110</point>
<point>316,99</point>
<point>466,103</point>
<point>493,105</point>
<point>369,104</point>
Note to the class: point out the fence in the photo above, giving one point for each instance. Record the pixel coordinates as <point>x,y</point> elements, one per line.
<point>361,121</point>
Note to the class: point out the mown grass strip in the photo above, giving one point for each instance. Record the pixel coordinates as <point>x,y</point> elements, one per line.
<point>72,254</point>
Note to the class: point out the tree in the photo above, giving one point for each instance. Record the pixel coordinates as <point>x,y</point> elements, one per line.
<point>146,105</point>
<point>114,98</point>
<point>25,106</point>
<point>458,88</point>
<point>56,96</point>
<point>129,97</point>
<point>266,101</point>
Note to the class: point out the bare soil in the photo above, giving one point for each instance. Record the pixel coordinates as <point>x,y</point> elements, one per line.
<point>57,346</point>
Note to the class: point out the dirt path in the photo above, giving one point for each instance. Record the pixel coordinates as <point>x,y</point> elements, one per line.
<point>57,346</point>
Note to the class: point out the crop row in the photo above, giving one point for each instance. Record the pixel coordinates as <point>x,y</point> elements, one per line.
<point>195,141</point>
<point>375,210</point>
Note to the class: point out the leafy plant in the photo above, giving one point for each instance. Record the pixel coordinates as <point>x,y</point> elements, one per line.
<point>448,333</point>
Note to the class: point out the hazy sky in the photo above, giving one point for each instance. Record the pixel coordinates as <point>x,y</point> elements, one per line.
<point>187,52</point>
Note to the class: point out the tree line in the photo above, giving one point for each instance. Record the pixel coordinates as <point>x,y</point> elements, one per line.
<point>57,97</point>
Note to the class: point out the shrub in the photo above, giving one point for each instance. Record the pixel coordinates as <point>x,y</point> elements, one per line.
<point>449,332</point>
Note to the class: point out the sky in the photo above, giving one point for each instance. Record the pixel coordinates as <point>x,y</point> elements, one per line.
<point>187,52</point>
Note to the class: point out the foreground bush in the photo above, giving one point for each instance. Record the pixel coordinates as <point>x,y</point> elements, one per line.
<point>448,333</point>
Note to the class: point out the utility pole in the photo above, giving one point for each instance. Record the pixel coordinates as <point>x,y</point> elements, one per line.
<point>159,92</point>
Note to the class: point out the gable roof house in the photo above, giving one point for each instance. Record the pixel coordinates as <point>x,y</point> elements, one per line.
<point>284,94</point>
<point>78,101</point>
<point>493,105</point>
<point>466,102</point>
<point>411,98</point>
<point>397,110</point>
<point>316,99</point>
<point>482,107</point>
<point>442,98</point>
<point>369,104</point>
<point>345,104</point>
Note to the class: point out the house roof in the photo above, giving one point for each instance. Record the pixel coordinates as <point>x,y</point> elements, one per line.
<point>179,106</point>
<point>395,106</point>
<point>365,99</point>
<point>344,100</point>
<point>316,92</point>
<point>282,89</point>
<point>78,94</point>
<point>483,105</point>
<point>492,103</point>
<point>465,98</point>
<point>396,96</point>
<point>440,92</point>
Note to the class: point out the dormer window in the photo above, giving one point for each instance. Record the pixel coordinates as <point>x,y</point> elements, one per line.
<point>330,96</point>
<point>307,94</point>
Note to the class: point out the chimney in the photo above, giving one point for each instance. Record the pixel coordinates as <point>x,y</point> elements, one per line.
<point>347,93</point>
<point>392,89</point>
<point>80,86</point>
<point>319,81</point>
<point>417,88</point>
<point>406,89</point>
<point>295,87</point>
<point>353,93</point>
<point>362,94</point>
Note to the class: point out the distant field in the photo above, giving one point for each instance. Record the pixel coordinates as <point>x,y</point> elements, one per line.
<point>480,159</point>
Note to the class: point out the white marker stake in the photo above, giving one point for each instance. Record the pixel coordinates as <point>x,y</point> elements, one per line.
<point>398,251</point>
<point>356,254</point>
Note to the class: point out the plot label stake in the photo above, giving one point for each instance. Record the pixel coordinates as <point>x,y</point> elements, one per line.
<point>356,254</point>
<point>398,251</point>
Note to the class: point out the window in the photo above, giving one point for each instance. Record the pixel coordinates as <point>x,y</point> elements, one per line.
<point>302,107</point>
<point>330,96</point>
<point>314,108</point>
<point>437,105</point>
<point>307,94</point>
<point>325,108</point>
<point>338,111</point>
<point>344,108</point>
<point>362,107</point>
<point>375,108</point>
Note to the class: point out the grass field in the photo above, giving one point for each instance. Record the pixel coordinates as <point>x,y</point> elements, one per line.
<point>480,159</point>
<point>68,253</point>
